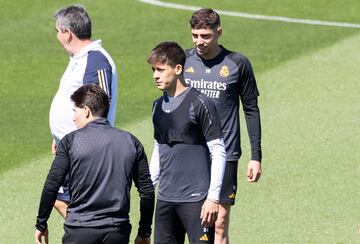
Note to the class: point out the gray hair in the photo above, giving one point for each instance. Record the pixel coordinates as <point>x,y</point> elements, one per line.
<point>76,19</point>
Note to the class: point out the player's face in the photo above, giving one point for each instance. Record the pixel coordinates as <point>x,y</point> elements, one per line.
<point>206,41</point>
<point>166,77</point>
<point>80,115</point>
<point>63,37</point>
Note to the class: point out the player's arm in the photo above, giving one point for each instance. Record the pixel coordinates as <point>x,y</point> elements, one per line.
<point>99,71</point>
<point>210,207</point>
<point>207,116</point>
<point>155,164</point>
<point>155,159</point>
<point>218,161</point>
<point>252,118</point>
<point>59,169</point>
<point>248,92</point>
<point>145,188</point>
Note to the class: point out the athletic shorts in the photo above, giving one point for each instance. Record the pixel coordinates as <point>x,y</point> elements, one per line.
<point>97,235</point>
<point>173,220</point>
<point>229,185</point>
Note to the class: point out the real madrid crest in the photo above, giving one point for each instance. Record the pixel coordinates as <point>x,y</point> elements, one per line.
<point>224,71</point>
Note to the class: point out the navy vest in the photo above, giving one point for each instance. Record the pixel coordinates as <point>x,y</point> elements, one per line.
<point>177,126</point>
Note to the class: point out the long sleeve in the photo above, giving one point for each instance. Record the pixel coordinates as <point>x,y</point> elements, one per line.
<point>218,161</point>
<point>252,117</point>
<point>155,164</point>
<point>145,187</point>
<point>55,179</point>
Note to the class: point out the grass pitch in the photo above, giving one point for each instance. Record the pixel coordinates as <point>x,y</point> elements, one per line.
<point>307,76</point>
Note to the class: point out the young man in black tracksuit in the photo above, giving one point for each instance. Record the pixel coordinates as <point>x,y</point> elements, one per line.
<point>102,162</point>
<point>189,155</point>
<point>227,78</point>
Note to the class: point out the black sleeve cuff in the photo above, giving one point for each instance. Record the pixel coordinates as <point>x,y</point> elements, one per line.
<point>256,155</point>
<point>144,233</point>
<point>41,227</point>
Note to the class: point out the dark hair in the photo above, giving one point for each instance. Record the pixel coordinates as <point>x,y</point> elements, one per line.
<point>205,18</point>
<point>94,97</point>
<point>76,19</point>
<point>169,53</point>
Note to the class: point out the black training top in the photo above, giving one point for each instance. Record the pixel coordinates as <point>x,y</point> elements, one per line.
<point>184,156</point>
<point>224,79</point>
<point>102,162</point>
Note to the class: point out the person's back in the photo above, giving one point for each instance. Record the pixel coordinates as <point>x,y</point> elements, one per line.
<point>102,159</point>
<point>101,162</point>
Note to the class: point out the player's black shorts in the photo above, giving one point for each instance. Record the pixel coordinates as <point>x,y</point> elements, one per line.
<point>173,220</point>
<point>106,235</point>
<point>229,186</point>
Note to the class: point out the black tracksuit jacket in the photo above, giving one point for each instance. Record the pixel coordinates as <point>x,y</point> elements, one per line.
<point>102,162</point>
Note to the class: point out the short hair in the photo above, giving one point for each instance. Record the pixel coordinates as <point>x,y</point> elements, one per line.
<point>76,19</point>
<point>205,18</point>
<point>94,97</point>
<point>170,53</point>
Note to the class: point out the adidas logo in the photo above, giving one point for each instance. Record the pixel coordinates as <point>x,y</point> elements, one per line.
<point>190,70</point>
<point>204,238</point>
<point>232,196</point>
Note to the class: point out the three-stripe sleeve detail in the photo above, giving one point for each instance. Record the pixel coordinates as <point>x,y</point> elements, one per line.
<point>103,81</point>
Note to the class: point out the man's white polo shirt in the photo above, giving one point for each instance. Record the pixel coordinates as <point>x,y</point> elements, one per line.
<point>91,65</point>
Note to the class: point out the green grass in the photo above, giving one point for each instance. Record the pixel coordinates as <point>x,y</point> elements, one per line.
<point>308,80</point>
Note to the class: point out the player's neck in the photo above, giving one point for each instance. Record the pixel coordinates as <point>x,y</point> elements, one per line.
<point>79,45</point>
<point>213,53</point>
<point>178,89</point>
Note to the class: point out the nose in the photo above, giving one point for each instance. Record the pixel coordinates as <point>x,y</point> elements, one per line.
<point>156,74</point>
<point>198,41</point>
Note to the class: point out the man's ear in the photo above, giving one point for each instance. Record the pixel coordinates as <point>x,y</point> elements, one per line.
<point>178,69</point>
<point>219,31</point>
<point>69,35</point>
<point>88,113</point>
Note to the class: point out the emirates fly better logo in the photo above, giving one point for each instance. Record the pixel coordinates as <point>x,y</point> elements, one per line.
<point>211,89</point>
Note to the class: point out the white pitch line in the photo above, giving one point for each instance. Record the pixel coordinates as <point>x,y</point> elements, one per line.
<point>254,16</point>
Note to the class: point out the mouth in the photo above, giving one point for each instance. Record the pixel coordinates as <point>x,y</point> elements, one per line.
<point>200,49</point>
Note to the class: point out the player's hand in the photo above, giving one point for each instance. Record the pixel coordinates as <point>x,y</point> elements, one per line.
<point>209,213</point>
<point>253,171</point>
<point>39,234</point>
<point>53,147</point>
<point>142,240</point>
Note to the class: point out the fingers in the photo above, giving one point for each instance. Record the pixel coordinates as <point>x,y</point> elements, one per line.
<point>202,214</point>
<point>254,176</point>
<point>209,219</point>
<point>37,236</point>
<point>254,171</point>
<point>38,241</point>
<point>249,174</point>
<point>209,213</point>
